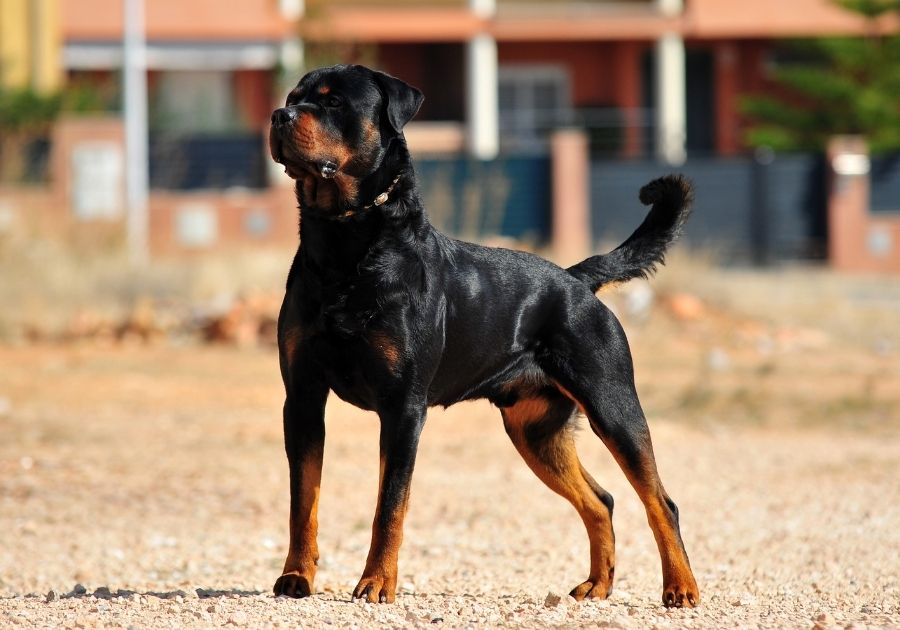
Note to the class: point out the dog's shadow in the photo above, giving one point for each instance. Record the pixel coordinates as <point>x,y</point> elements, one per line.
<point>122,593</point>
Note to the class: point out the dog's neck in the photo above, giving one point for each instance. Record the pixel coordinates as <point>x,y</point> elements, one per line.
<point>335,243</point>
<point>350,193</point>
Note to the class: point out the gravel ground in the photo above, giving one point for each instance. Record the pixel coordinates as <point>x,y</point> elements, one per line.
<point>147,487</point>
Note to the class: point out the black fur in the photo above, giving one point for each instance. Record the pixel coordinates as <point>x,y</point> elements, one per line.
<point>641,252</point>
<point>393,316</point>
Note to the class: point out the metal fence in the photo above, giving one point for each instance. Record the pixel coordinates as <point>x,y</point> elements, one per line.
<point>510,196</point>
<point>885,184</point>
<point>208,162</point>
<point>747,209</point>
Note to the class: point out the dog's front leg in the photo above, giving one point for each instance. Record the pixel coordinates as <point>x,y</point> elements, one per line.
<point>401,427</point>
<point>304,440</point>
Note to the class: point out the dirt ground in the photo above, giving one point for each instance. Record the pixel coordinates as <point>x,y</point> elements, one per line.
<point>146,486</point>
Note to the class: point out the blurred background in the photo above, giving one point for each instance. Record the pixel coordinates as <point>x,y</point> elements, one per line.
<point>134,168</point>
<point>145,237</point>
<point>134,173</point>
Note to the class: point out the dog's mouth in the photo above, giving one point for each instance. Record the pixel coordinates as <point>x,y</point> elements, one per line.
<point>295,163</point>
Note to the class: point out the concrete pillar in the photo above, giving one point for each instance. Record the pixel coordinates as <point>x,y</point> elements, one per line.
<point>482,114</point>
<point>671,114</point>
<point>291,54</point>
<point>136,135</point>
<point>571,215</point>
<point>848,201</point>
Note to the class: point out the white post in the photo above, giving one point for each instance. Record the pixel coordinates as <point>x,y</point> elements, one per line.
<point>292,49</point>
<point>482,115</point>
<point>136,141</point>
<point>671,106</point>
<point>671,115</point>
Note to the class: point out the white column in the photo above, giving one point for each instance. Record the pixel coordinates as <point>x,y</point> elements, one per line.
<point>482,115</point>
<point>136,141</point>
<point>292,50</point>
<point>671,116</point>
<point>670,8</point>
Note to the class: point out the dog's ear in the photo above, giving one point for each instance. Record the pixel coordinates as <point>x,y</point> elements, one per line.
<point>401,100</point>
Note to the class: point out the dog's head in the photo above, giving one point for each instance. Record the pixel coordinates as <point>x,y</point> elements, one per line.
<point>338,124</point>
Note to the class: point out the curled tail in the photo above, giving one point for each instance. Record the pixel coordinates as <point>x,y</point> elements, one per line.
<point>641,252</point>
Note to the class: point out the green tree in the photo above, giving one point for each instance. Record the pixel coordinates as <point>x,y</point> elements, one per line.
<point>843,85</point>
<point>26,117</point>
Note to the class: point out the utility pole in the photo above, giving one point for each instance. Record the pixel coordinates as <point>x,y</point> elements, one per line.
<point>136,139</point>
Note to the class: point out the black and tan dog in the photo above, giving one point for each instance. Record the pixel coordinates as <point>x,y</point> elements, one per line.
<point>393,316</point>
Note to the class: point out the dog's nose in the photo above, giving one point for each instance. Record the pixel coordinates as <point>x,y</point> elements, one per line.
<point>282,116</point>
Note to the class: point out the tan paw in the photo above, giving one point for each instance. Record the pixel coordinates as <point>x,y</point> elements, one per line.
<point>376,589</point>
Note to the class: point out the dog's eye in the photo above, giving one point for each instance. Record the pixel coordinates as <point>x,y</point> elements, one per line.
<point>333,101</point>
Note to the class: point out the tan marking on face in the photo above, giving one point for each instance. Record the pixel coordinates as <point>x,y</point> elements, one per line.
<point>323,89</point>
<point>313,143</point>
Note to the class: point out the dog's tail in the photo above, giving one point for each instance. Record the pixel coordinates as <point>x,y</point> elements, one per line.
<point>641,252</point>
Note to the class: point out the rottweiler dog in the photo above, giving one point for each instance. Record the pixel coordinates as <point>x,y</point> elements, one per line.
<point>394,317</point>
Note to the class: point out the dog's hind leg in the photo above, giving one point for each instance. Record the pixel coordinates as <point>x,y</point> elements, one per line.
<point>538,425</point>
<point>594,369</point>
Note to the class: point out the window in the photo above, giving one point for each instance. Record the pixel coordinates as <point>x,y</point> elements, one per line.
<point>195,101</point>
<point>533,100</point>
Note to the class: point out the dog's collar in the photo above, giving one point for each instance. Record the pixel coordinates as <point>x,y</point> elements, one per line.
<point>383,197</point>
<point>378,201</point>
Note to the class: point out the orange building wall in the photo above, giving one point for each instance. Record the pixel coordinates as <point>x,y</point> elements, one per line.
<point>177,19</point>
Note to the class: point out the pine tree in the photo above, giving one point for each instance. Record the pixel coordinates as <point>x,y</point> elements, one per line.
<point>845,85</point>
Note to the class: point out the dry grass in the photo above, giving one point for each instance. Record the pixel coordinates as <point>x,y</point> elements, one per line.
<point>795,345</point>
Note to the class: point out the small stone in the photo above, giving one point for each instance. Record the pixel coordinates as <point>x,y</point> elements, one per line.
<point>408,587</point>
<point>238,619</point>
<point>79,589</point>
<point>102,592</point>
<point>824,618</point>
<point>437,620</point>
<point>52,596</point>
<point>552,600</point>
<point>212,608</point>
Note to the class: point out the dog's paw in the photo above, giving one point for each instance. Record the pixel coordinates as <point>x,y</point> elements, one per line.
<point>376,589</point>
<point>681,594</point>
<point>294,584</point>
<point>592,590</point>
